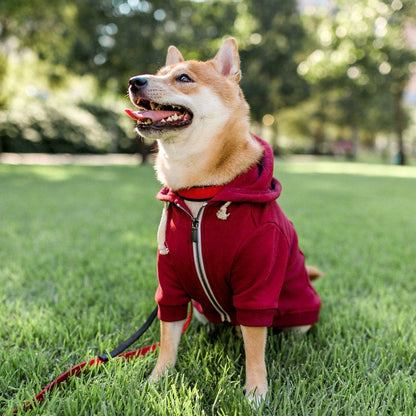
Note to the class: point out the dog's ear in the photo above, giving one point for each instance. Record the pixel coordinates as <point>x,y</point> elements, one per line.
<point>227,60</point>
<point>173,56</point>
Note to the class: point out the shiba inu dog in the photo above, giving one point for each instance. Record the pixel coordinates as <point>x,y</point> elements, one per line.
<point>224,243</point>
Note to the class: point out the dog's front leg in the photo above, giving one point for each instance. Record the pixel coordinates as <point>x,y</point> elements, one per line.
<point>256,373</point>
<point>170,335</point>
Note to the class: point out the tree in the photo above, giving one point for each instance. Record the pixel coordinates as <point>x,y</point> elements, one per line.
<point>42,26</point>
<point>113,38</point>
<point>362,54</point>
<point>270,56</point>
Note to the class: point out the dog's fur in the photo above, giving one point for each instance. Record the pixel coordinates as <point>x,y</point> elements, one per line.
<point>211,148</point>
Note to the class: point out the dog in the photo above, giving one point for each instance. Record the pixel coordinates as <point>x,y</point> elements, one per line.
<point>223,241</point>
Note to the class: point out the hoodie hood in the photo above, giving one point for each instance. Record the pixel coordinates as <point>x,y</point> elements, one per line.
<point>256,185</point>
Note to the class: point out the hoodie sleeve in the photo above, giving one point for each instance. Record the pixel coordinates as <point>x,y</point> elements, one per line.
<point>258,274</point>
<point>172,299</point>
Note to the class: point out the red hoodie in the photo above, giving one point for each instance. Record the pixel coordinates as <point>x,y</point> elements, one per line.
<point>245,267</point>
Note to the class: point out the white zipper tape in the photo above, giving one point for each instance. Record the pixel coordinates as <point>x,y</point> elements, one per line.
<point>199,263</point>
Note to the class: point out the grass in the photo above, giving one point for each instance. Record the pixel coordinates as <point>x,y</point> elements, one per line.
<point>77,277</point>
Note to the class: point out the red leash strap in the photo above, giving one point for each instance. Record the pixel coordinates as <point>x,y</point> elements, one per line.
<point>80,369</point>
<point>73,372</point>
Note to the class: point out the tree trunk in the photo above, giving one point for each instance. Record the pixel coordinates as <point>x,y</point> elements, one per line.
<point>318,139</point>
<point>401,154</point>
<point>352,152</point>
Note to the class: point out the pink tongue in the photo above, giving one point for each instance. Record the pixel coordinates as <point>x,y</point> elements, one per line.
<point>149,114</point>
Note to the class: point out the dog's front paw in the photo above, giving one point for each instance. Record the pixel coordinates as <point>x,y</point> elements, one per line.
<point>256,394</point>
<point>157,373</point>
<point>153,377</point>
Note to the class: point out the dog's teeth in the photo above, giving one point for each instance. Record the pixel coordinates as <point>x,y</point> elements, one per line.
<point>173,118</point>
<point>155,106</point>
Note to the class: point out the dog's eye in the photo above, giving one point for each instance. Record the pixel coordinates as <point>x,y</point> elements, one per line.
<point>184,78</point>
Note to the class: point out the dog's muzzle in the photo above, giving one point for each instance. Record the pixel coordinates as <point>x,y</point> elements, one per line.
<point>154,115</point>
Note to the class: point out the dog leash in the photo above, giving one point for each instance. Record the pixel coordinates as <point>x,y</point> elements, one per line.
<point>81,368</point>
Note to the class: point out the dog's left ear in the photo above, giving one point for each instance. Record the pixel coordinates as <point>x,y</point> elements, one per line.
<point>227,60</point>
<point>173,56</point>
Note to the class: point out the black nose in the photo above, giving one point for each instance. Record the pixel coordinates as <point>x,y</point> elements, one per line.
<point>137,82</point>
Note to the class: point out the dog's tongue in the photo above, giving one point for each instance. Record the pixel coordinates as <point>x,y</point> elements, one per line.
<point>150,114</point>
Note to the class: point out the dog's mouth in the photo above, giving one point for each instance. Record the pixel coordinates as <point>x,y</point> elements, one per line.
<point>159,116</point>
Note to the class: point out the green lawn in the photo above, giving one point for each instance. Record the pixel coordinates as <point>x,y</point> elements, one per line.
<point>77,277</point>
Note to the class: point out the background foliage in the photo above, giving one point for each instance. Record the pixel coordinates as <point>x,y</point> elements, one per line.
<point>329,78</point>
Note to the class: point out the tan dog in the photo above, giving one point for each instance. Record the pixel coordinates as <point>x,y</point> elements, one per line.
<point>197,113</point>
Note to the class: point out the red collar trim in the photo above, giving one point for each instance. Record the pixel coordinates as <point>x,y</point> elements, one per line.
<point>199,193</point>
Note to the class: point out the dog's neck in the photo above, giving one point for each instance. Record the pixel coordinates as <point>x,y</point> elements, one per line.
<point>180,166</point>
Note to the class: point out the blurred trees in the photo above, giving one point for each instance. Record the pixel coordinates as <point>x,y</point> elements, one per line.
<point>360,65</point>
<point>270,78</point>
<point>341,71</point>
<point>271,81</point>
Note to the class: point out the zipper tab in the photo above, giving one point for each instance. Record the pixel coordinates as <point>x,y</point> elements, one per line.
<point>194,230</point>
<point>195,221</point>
<point>195,224</point>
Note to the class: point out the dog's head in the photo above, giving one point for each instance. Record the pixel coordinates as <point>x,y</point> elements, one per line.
<point>189,98</point>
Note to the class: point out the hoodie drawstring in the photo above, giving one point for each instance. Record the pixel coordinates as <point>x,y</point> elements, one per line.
<point>222,213</point>
<point>161,232</point>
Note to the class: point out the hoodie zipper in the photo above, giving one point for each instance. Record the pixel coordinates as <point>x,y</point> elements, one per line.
<point>199,263</point>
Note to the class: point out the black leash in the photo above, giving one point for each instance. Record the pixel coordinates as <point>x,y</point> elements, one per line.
<point>118,350</point>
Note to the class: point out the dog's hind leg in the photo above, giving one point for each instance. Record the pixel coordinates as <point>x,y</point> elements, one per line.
<point>199,315</point>
<point>298,330</point>
<point>313,272</point>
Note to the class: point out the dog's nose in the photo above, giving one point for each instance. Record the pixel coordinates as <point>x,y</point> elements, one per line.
<point>137,82</point>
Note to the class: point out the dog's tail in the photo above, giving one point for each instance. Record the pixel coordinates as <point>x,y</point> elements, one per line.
<point>313,272</point>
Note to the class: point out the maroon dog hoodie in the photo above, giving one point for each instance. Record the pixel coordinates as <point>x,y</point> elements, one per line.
<point>239,259</point>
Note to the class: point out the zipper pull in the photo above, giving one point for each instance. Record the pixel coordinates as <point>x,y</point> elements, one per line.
<point>194,230</point>
<point>195,221</point>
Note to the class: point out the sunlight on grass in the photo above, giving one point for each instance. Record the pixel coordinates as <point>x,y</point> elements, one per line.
<point>51,173</point>
<point>363,169</point>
